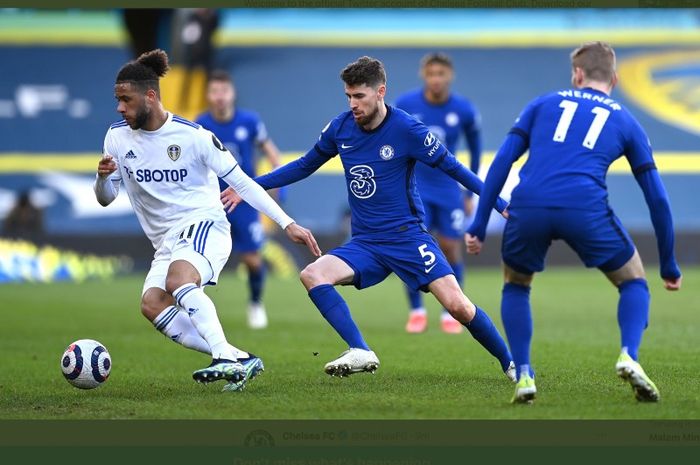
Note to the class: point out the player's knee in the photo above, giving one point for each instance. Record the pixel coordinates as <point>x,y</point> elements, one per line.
<point>253,261</point>
<point>460,308</point>
<point>181,272</point>
<point>511,276</point>
<point>176,280</point>
<point>152,305</point>
<point>307,276</point>
<point>311,276</point>
<point>172,283</point>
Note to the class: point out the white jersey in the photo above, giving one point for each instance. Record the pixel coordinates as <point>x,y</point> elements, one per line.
<point>170,174</point>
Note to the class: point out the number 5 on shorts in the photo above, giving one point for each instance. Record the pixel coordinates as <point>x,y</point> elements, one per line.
<point>428,256</point>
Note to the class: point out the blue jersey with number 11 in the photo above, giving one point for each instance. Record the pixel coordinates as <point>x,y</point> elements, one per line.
<point>574,136</point>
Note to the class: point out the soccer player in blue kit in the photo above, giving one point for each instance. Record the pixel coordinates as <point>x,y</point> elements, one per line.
<point>242,132</point>
<point>573,137</point>
<point>447,115</point>
<point>379,147</point>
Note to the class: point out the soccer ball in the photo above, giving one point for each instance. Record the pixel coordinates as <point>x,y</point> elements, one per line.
<point>86,364</point>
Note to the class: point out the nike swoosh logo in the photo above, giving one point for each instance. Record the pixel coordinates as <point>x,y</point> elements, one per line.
<point>343,146</point>
<point>428,270</point>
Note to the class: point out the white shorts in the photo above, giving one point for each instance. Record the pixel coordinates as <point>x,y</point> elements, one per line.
<point>205,244</point>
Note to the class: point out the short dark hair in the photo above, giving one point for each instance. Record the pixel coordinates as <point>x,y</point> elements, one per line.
<point>436,58</point>
<point>145,71</point>
<point>220,75</point>
<point>365,70</point>
<point>596,59</point>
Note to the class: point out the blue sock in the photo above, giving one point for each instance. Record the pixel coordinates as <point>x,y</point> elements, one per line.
<point>414,297</point>
<point>633,314</point>
<point>336,312</point>
<point>256,282</point>
<point>517,321</point>
<point>482,329</point>
<point>458,270</point>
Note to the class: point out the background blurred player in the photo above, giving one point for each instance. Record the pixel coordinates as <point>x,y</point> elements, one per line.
<point>573,137</point>
<point>169,167</point>
<point>242,132</point>
<point>447,116</point>
<point>379,146</point>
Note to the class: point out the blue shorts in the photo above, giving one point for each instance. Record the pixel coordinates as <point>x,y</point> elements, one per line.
<point>445,218</point>
<point>246,229</point>
<point>415,258</point>
<point>597,237</point>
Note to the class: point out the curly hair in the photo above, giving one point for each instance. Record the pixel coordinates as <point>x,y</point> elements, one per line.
<point>365,70</point>
<point>145,71</point>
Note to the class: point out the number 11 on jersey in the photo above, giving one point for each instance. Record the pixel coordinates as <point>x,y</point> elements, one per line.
<point>601,116</point>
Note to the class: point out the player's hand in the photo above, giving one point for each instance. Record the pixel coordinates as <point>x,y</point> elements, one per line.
<point>505,213</point>
<point>230,199</point>
<point>106,166</point>
<point>301,235</point>
<point>474,245</point>
<point>673,284</point>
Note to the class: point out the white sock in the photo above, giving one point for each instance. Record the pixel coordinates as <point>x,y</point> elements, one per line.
<point>203,316</point>
<point>174,323</point>
<point>177,326</point>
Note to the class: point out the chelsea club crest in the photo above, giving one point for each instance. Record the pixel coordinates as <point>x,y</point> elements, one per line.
<point>174,152</point>
<point>386,152</point>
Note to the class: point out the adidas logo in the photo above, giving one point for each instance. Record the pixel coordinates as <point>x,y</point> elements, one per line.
<point>130,154</point>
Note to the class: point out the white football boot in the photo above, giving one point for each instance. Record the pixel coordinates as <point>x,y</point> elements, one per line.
<point>352,361</point>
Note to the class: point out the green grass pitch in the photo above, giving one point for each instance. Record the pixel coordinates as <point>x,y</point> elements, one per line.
<point>428,376</point>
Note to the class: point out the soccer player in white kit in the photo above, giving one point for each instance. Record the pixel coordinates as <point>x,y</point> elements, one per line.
<point>169,167</point>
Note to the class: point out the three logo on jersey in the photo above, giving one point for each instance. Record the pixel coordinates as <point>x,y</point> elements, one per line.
<point>363,185</point>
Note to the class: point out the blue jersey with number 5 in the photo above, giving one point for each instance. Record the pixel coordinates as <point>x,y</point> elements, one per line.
<point>574,136</point>
<point>379,169</point>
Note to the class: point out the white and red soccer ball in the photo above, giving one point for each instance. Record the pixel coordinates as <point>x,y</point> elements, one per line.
<point>86,364</point>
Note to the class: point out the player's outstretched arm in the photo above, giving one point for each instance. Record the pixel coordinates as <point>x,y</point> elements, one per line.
<point>106,186</point>
<point>293,171</point>
<point>256,196</point>
<point>660,211</point>
<point>288,174</point>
